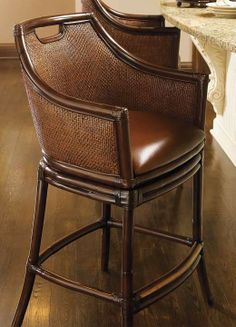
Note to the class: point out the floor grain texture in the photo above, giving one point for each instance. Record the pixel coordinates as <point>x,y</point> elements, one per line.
<point>53,306</point>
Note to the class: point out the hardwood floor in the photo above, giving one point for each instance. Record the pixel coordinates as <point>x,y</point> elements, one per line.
<point>54,306</point>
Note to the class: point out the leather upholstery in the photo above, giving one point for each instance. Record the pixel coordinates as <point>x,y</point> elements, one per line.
<point>157,140</point>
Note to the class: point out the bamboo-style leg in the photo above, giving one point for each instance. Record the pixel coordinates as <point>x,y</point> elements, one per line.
<point>106,215</point>
<point>202,273</point>
<point>127,268</point>
<point>198,232</point>
<point>39,211</point>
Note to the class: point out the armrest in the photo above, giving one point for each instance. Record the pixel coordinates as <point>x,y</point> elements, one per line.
<point>82,134</point>
<point>172,92</point>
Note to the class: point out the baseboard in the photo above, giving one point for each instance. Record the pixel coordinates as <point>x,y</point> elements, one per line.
<point>225,141</point>
<point>8,51</point>
<point>187,66</point>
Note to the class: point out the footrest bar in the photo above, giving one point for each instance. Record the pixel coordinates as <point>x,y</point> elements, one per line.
<point>74,286</point>
<point>168,282</point>
<point>162,234</point>
<point>140,305</point>
<point>68,239</point>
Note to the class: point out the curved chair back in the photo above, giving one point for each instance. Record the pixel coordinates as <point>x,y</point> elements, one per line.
<point>144,36</point>
<point>122,20</point>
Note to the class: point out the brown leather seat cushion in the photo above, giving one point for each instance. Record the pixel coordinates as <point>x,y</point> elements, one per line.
<point>157,140</point>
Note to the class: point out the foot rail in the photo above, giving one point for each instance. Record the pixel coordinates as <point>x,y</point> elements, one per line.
<point>168,282</point>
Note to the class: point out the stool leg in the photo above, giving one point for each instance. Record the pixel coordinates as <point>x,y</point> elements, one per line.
<point>202,274</point>
<point>198,232</point>
<point>127,269</point>
<point>106,215</point>
<point>39,211</point>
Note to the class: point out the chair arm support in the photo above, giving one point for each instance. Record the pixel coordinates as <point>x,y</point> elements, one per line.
<point>173,92</point>
<point>184,96</point>
<point>95,137</point>
<point>103,111</point>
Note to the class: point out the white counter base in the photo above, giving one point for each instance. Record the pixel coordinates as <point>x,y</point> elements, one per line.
<point>215,38</point>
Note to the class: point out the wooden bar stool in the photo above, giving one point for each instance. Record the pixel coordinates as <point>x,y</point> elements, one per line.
<point>114,129</point>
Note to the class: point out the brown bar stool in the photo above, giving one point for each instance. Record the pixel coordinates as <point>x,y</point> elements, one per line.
<point>145,36</point>
<point>80,84</point>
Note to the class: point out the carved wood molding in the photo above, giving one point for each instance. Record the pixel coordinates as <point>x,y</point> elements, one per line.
<point>216,61</point>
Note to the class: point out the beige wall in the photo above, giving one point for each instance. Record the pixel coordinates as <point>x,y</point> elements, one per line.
<point>148,7</point>
<point>14,11</point>
<point>135,6</point>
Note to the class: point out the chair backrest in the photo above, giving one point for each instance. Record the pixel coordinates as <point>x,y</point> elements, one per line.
<point>119,19</point>
<point>148,39</point>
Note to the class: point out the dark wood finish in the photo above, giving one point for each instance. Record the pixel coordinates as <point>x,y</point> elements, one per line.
<point>122,20</point>
<point>198,231</point>
<point>153,18</point>
<point>127,307</point>
<point>162,234</point>
<point>40,205</point>
<point>160,43</point>
<point>53,306</point>
<point>125,196</point>
<point>106,112</point>
<point>126,191</point>
<point>160,287</point>
<point>61,243</point>
<point>106,216</point>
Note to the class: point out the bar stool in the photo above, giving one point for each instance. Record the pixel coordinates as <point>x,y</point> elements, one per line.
<point>91,103</point>
<point>144,36</point>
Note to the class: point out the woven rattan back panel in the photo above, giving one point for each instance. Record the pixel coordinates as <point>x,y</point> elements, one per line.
<point>81,65</point>
<point>79,139</point>
<point>160,49</point>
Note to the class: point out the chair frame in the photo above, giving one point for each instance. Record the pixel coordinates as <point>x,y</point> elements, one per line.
<point>123,192</point>
<point>139,24</point>
<point>120,20</point>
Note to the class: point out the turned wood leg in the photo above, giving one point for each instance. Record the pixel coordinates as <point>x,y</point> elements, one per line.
<point>127,268</point>
<point>106,215</point>
<point>39,211</point>
<point>198,232</point>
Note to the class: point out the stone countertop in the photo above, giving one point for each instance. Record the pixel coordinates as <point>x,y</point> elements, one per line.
<point>202,24</point>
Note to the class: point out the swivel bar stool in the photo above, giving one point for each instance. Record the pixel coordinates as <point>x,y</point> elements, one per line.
<point>144,36</point>
<point>91,102</point>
